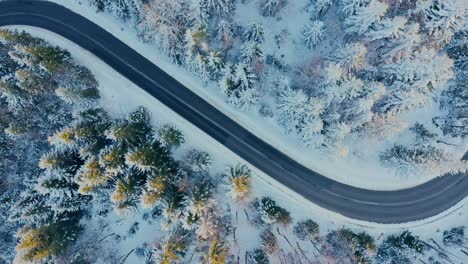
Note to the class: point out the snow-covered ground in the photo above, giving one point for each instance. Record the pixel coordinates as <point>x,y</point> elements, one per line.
<point>120,96</point>
<point>361,168</point>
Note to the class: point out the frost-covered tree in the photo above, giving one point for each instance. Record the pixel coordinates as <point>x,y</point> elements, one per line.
<point>165,22</point>
<point>254,32</point>
<point>454,237</point>
<point>197,161</point>
<point>424,71</point>
<point>318,8</point>
<point>307,230</point>
<point>226,31</point>
<point>346,246</point>
<point>300,114</point>
<point>238,86</point>
<point>125,9</point>
<point>313,33</point>
<point>349,7</point>
<point>269,212</point>
<point>350,56</point>
<point>239,181</point>
<point>219,8</point>
<point>257,256</point>
<point>252,54</point>
<point>271,7</point>
<point>411,160</point>
<point>444,18</point>
<point>364,17</point>
<point>384,126</point>
<point>387,28</point>
<point>404,248</point>
<point>171,136</point>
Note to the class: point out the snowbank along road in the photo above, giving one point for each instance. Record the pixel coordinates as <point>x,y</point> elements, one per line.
<point>428,199</point>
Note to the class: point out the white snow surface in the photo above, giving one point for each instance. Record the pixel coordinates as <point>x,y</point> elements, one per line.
<point>120,96</point>
<point>361,168</point>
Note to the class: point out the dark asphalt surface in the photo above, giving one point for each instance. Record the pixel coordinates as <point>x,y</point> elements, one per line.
<point>416,203</point>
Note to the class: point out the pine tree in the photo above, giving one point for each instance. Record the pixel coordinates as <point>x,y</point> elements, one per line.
<point>299,114</point>
<point>364,17</point>
<point>237,84</point>
<point>257,256</point>
<point>239,180</point>
<point>254,33</point>
<point>313,33</point>
<point>345,245</point>
<point>444,18</point>
<point>171,136</point>
<point>166,22</point>
<point>270,212</point>
<point>318,8</point>
<point>47,240</point>
<point>307,230</point>
<point>454,237</point>
<point>404,249</point>
<point>252,54</point>
<point>351,56</point>
<point>81,97</point>
<point>271,7</point>
<point>387,28</point>
<point>349,7</point>
<point>220,8</point>
<point>217,253</point>
<point>408,161</point>
<point>197,161</point>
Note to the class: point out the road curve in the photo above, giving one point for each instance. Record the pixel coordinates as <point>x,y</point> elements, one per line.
<point>399,206</point>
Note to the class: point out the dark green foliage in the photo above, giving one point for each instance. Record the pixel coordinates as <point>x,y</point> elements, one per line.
<point>400,249</point>
<point>307,230</point>
<point>50,57</point>
<point>171,136</point>
<point>454,236</point>
<point>270,212</point>
<point>257,256</point>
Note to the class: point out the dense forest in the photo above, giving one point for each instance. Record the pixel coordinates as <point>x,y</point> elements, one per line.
<point>370,64</point>
<point>70,170</point>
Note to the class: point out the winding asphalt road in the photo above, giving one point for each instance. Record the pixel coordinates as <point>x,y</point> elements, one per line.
<point>416,203</point>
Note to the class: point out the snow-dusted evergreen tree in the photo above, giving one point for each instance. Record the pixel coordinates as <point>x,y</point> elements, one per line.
<point>254,32</point>
<point>411,160</point>
<point>252,53</point>
<point>344,245</point>
<point>318,8</point>
<point>125,9</point>
<point>257,256</point>
<point>220,8</point>
<point>238,86</point>
<point>271,7</point>
<point>300,114</point>
<point>165,22</point>
<point>387,28</point>
<point>402,46</point>
<point>404,248</point>
<point>444,18</point>
<point>364,17</point>
<point>350,56</point>
<point>313,33</point>
<point>215,64</point>
<point>226,31</point>
<point>239,181</point>
<point>384,126</point>
<point>349,7</point>
<point>197,161</point>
